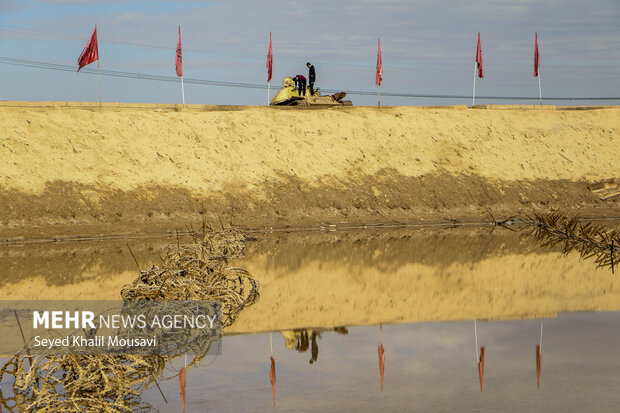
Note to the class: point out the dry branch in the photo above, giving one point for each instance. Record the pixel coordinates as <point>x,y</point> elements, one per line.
<point>113,383</point>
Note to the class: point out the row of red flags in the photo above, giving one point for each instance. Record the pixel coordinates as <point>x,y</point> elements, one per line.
<point>481,361</point>
<point>479,57</point>
<point>91,54</point>
<point>272,372</point>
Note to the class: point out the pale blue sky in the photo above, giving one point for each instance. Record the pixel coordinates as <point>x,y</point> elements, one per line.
<point>428,47</point>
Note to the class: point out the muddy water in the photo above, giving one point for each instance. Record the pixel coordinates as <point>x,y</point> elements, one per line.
<point>424,285</point>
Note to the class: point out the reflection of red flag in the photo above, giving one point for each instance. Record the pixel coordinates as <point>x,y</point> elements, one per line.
<point>538,364</point>
<point>90,52</point>
<point>269,60</point>
<point>182,388</point>
<point>536,56</point>
<point>479,58</point>
<point>379,74</point>
<point>481,366</point>
<point>272,379</point>
<point>179,58</point>
<point>381,363</point>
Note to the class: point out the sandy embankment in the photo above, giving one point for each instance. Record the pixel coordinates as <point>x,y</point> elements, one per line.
<point>81,170</point>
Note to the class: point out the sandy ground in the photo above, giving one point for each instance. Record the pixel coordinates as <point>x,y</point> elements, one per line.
<point>81,170</point>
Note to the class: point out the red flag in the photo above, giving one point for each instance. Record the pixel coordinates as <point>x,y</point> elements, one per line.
<point>269,60</point>
<point>381,364</point>
<point>272,379</point>
<point>536,56</point>
<point>90,52</point>
<point>379,74</point>
<point>538,364</point>
<point>179,58</point>
<point>481,366</point>
<point>182,388</point>
<point>479,58</point>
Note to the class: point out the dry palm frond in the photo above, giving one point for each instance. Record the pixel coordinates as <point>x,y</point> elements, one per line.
<point>79,383</point>
<point>197,271</point>
<point>591,241</point>
<point>113,383</point>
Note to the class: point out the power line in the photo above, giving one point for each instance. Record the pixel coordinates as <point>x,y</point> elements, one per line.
<point>160,78</point>
<point>444,66</point>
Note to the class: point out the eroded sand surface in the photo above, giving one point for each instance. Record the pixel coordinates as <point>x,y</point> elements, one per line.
<point>79,170</point>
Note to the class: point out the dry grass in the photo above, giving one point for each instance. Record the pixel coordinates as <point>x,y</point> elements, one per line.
<point>591,241</point>
<point>196,270</point>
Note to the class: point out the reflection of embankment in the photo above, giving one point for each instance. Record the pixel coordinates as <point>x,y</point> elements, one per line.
<point>89,269</point>
<point>393,281</point>
<point>390,249</point>
<point>66,263</point>
<point>326,279</point>
<point>326,294</point>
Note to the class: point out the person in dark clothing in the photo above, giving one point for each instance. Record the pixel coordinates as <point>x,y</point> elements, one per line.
<point>302,342</point>
<point>315,346</point>
<point>311,78</point>
<point>300,84</point>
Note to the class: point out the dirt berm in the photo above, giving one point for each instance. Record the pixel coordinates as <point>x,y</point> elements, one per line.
<point>70,168</point>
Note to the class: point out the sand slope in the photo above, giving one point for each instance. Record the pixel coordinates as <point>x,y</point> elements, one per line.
<point>95,166</point>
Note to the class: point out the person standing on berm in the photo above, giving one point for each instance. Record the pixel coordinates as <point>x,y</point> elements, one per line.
<point>300,84</point>
<point>311,78</point>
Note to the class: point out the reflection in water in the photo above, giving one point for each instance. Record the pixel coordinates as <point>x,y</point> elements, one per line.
<point>401,279</point>
<point>430,369</point>
<point>538,364</point>
<point>481,356</point>
<point>381,358</point>
<point>591,241</point>
<point>272,379</point>
<point>357,278</point>
<point>481,366</point>
<point>76,383</point>
<point>539,355</point>
<point>114,382</point>
<point>348,277</point>
<point>182,386</point>
<point>302,339</point>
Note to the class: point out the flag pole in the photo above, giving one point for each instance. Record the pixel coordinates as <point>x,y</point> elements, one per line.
<point>473,96</point>
<point>182,90</point>
<point>269,66</point>
<point>99,76</point>
<point>539,89</point>
<point>541,331</point>
<point>476,336</point>
<point>379,73</point>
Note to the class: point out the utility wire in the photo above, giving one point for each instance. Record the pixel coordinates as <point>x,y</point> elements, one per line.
<point>174,79</point>
<point>418,65</point>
